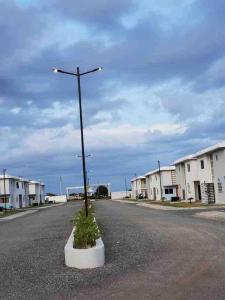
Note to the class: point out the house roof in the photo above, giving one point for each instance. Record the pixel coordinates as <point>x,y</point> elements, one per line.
<point>185,158</point>
<point>7,176</point>
<point>208,150</point>
<point>136,178</point>
<point>165,168</point>
<point>36,182</point>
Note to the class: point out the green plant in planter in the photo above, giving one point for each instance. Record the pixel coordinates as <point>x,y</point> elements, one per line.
<point>86,230</point>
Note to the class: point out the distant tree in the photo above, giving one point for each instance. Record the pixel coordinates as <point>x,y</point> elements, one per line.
<point>102,191</point>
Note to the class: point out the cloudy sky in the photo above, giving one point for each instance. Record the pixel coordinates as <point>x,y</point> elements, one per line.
<point>160,96</point>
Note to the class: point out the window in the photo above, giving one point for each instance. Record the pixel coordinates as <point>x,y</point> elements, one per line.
<point>202,164</point>
<point>156,177</point>
<point>168,191</point>
<point>188,167</point>
<point>216,157</point>
<point>17,185</point>
<point>220,188</point>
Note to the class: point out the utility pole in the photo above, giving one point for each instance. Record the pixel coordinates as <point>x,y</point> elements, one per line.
<point>135,175</point>
<point>60,185</point>
<point>126,185</point>
<point>160,181</point>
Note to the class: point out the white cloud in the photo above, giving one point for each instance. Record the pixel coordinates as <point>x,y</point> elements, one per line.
<point>16,110</point>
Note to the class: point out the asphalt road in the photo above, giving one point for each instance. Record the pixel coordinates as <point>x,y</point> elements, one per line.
<point>150,254</point>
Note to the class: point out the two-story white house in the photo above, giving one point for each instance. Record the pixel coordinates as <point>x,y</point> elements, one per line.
<point>211,173</point>
<point>15,190</point>
<point>138,187</point>
<point>201,176</point>
<point>161,184</point>
<point>36,192</point>
<point>187,178</point>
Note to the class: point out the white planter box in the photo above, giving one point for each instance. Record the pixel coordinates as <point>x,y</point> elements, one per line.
<point>84,258</point>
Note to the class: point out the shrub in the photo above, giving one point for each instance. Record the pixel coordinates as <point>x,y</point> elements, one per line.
<point>86,230</point>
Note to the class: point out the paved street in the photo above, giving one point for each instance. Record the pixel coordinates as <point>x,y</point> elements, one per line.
<point>150,254</point>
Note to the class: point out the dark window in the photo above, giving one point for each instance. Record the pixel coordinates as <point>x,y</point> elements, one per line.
<point>220,188</point>
<point>17,184</point>
<point>202,164</point>
<point>216,157</point>
<point>168,191</point>
<point>188,167</point>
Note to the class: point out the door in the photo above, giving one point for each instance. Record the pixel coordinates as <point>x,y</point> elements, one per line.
<point>154,193</point>
<point>20,201</point>
<point>199,192</point>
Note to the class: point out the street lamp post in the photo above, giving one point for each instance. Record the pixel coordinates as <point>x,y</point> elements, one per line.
<point>160,181</point>
<point>78,75</point>
<point>4,170</point>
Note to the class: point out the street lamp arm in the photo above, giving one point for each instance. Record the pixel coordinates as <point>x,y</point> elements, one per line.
<point>64,72</point>
<point>94,70</point>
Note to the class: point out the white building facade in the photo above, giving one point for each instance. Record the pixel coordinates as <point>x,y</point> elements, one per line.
<point>138,187</point>
<point>187,178</point>
<point>161,184</point>
<point>201,176</point>
<point>15,190</point>
<point>36,192</point>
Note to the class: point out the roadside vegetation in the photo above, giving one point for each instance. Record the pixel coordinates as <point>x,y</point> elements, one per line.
<point>86,230</point>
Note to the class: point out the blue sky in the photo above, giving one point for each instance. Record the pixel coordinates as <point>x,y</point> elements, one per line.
<point>160,96</point>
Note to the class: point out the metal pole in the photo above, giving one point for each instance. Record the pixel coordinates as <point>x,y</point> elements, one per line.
<point>60,185</point>
<point>126,185</point>
<point>82,143</point>
<point>136,185</point>
<point>4,170</point>
<point>160,182</point>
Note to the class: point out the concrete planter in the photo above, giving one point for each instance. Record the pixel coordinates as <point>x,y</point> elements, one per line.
<point>84,258</point>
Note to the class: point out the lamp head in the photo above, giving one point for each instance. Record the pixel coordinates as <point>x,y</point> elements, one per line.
<point>55,70</point>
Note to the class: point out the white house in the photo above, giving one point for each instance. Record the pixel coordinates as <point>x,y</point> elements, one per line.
<point>187,178</point>
<point>161,185</point>
<point>16,190</point>
<point>201,176</point>
<point>211,173</point>
<point>138,187</point>
<point>36,192</point>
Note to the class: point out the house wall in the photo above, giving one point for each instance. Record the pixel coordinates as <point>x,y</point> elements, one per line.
<point>181,180</point>
<point>138,187</point>
<point>218,158</point>
<point>190,177</point>
<point>204,175</point>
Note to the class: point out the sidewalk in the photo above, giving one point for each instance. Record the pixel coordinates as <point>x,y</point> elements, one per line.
<point>26,212</point>
<point>213,215</point>
<point>162,207</point>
